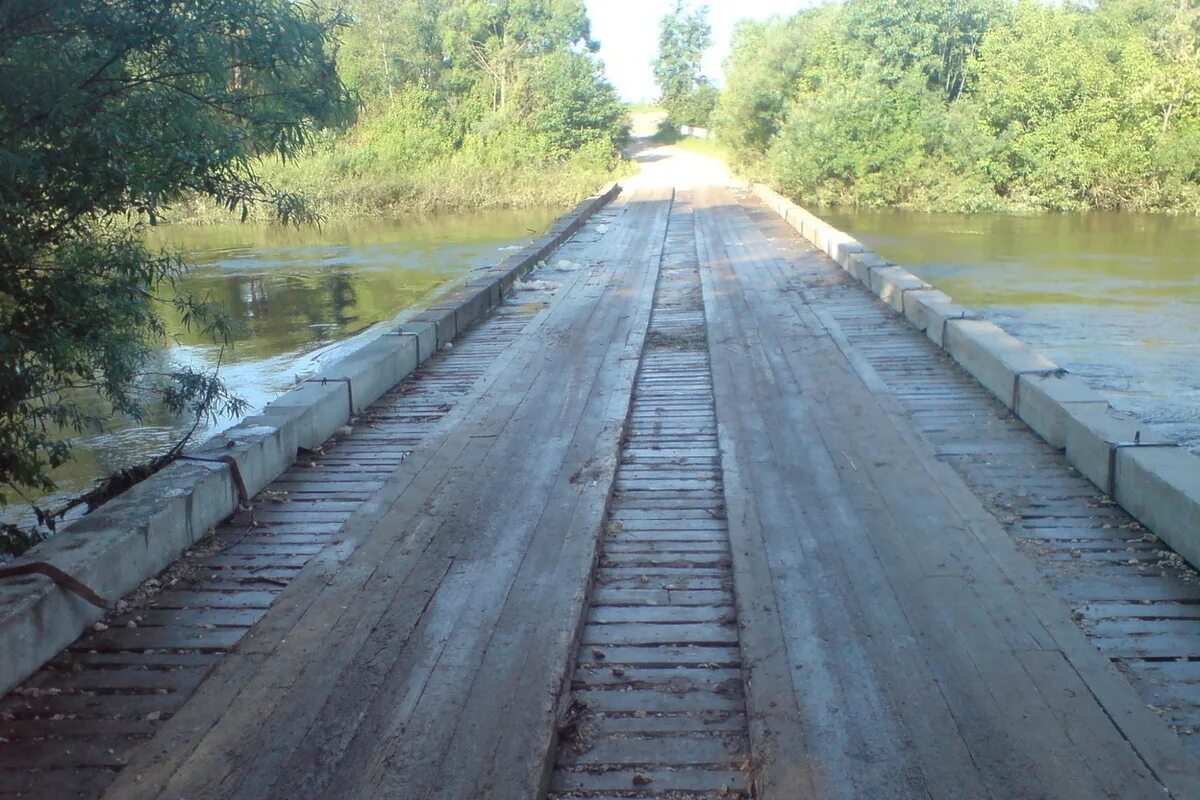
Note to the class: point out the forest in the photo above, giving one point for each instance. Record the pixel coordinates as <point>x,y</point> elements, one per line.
<point>971,105</point>
<point>463,104</point>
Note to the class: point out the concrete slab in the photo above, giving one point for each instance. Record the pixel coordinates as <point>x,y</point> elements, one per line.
<point>916,303</point>
<point>840,246</point>
<point>490,286</point>
<point>112,551</point>
<point>994,356</point>
<point>1043,401</point>
<point>425,336</point>
<point>861,265</point>
<point>1161,487</point>
<point>937,315</point>
<point>1092,435</point>
<point>470,305</point>
<point>317,410</point>
<point>891,284</point>
<point>263,447</point>
<point>443,320</point>
<point>374,368</point>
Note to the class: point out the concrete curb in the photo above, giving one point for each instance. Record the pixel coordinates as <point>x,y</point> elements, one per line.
<point>1155,480</point>
<point>138,534</point>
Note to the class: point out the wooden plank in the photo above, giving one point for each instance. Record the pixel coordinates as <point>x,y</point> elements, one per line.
<point>370,654</point>
<point>1019,605</point>
<point>878,528</point>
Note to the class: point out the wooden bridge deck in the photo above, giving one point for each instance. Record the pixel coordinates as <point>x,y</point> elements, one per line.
<point>690,514</point>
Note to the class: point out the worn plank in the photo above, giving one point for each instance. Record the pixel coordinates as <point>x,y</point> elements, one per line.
<point>370,651</point>
<point>890,607</point>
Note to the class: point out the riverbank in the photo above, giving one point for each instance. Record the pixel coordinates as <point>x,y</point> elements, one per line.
<point>378,171</point>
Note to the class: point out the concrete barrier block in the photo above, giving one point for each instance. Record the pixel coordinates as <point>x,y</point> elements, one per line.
<point>37,619</point>
<point>490,287</point>
<point>1092,435</point>
<point>512,270</point>
<point>915,306</point>
<point>1043,402</point>
<point>937,314</point>
<point>1161,487</point>
<point>891,284</point>
<point>209,491</point>
<point>424,335</point>
<point>802,223</point>
<point>819,234</point>
<point>316,409</point>
<point>505,275</point>
<point>860,265</point>
<point>443,320</point>
<point>840,246</point>
<point>374,368</point>
<point>262,449</point>
<point>112,551</point>
<point>471,305</point>
<point>993,356</point>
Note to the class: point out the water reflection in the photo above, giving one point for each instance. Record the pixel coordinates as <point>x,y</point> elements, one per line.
<point>1113,297</point>
<point>299,298</point>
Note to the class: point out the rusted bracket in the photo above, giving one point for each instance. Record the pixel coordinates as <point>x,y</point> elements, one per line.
<point>349,388</point>
<point>68,582</point>
<point>243,494</point>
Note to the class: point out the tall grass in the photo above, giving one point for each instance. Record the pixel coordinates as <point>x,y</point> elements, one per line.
<point>411,160</point>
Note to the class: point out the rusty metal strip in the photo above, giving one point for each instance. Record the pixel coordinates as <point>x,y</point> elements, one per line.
<point>63,579</point>
<point>243,494</point>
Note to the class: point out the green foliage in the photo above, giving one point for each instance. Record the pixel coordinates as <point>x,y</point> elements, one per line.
<point>685,93</point>
<point>112,110</point>
<point>771,63</point>
<point>571,105</point>
<point>972,104</point>
<point>466,104</point>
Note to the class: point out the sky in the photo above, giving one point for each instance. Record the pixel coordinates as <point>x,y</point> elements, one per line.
<point>628,34</point>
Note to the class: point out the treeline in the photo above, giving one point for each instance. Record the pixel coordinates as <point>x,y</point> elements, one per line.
<point>465,104</point>
<point>972,104</point>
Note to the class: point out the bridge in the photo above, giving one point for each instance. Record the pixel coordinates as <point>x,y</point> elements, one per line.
<point>689,514</point>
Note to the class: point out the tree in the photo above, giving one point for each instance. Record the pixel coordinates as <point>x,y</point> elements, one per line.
<point>573,106</point>
<point>770,63</point>
<point>112,110</point>
<point>686,94</point>
<point>973,104</point>
<point>389,44</point>
<point>496,36</point>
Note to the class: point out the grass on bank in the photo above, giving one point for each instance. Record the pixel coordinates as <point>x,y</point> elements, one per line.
<point>410,161</point>
<point>340,189</point>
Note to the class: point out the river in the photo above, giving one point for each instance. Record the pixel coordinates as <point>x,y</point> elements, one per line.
<point>300,298</point>
<point>1112,297</point>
